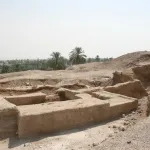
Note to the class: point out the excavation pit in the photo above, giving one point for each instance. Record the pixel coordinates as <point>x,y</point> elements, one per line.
<point>67,109</point>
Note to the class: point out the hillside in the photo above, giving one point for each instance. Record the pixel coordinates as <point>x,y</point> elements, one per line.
<point>125,61</point>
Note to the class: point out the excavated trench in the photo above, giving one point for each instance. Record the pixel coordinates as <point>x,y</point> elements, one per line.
<point>66,106</point>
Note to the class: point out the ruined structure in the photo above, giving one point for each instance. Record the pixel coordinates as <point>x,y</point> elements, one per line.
<point>31,114</point>
<point>133,89</point>
<point>70,106</point>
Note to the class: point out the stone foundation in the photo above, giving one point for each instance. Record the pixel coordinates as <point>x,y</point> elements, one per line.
<point>59,116</point>
<point>78,108</point>
<point>27,99</point>
<point>55,117</point>
<point>8,119</point>
<point>132,89</point>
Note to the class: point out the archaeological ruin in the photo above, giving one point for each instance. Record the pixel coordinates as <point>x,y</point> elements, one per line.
<point>32,114</point>
<point>35,113</point>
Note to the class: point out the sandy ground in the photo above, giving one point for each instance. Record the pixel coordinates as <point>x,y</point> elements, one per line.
<point>55,75</point>
<point>84,139</point>
<point>136,138</point>
<point>129,132</point>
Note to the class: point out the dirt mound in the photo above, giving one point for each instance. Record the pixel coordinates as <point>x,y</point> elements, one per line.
<point>132,59</point>
<point>131,89</point>
<point>95,66</point>
<point>125,61</point>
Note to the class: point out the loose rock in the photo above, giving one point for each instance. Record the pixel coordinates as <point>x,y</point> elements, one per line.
<point>128,142</point>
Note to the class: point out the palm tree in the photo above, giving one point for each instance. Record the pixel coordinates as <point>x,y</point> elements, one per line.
<point>97,59</point>
<point>77,56</point>
<point>56,56</point>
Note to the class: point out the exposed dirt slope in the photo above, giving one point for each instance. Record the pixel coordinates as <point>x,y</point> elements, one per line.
<point>89,74</point>
<point>122,62</point>
<point>132,59</point>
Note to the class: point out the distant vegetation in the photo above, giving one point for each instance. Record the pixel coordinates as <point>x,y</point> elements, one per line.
<point>77,56</point>
<point>55,62</point>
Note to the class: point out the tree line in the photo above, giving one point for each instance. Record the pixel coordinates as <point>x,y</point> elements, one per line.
<point>55,62</point>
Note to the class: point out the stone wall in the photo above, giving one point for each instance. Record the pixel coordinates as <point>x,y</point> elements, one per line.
<point>8,119</point>
<point>27,99</point>
<point>132,89</point>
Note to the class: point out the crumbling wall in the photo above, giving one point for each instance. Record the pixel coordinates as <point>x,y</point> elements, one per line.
<point>66,94</point>
<point>120,107</point>
<point>8,119</point>
<point>142,72</point>
<point>119,104</point>
<point>131,89</point>
<point>27,99</point>
<point>52,98</point>
<point>121,77</point>
<point>59,116</point>
<point>148,106</point>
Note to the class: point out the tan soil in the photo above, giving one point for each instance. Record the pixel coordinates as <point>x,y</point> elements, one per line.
<point>91,137</point>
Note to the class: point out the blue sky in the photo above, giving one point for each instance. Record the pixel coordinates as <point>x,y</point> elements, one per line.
<point>35,28</point>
